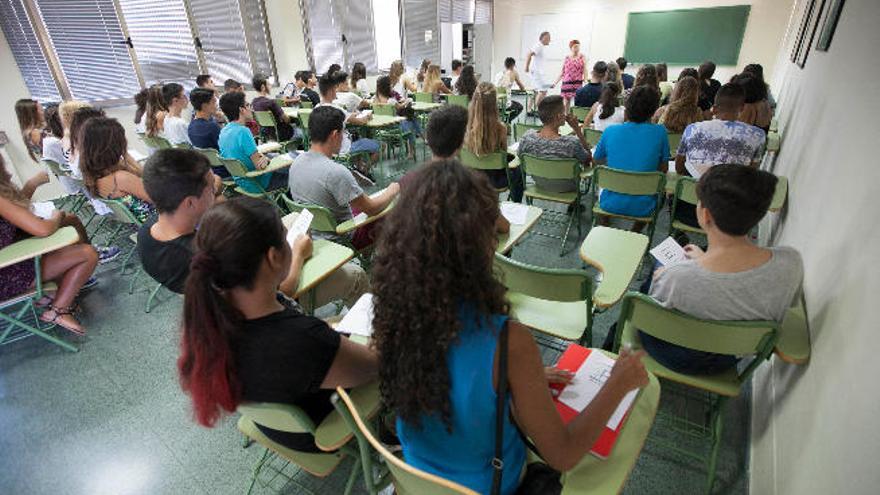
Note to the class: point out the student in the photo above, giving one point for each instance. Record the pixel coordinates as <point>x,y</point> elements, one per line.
<point>682,109</point>
<point>108,170</point>
<point>242,341</point>
<point>140,102</point>
<point>156,110</point>
<point>71,267</point>
<point>733,279</point>
<point>637,145</point>
<point>757,70</point>
<point>445,131</point>
<point>53,148</point>
<point>203,130</point>
<point>589,93</point>
<point>548,143</point>
<point>266,103</point>
<point>456,72</point>
<point>232,86</point>
<point>31,122</point>
<point>77,122</point>
<point>506,79</point>
<point>756,110</point>
<point>613,74</point>
<point>708,86</point>
<point>174,128</point>
<point>628,80</point>
<point>722,140</point>
<point>385,95</point>
<point>486,134</point>
<point>359,80</point>
<point>535,62</point>
<point>467,82</point>
<point>666,87</point>
<point>432,82</point>
<point>316,179</point>
<point>237,142</point>
<point>328,87</point>
<point>346,98</point>
<point>646,76</point>
<point>334,68</point>
<point>422,74</point>
<point>400,82</point>
<point>66,110</point>
<point>204,81</point>
<point>304,87</point>
<point>574,72</point>
<point>439,343</point>
<point>608,110</point>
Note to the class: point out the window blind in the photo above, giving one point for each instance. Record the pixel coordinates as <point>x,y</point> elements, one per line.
<point>359,32</point>
<point>26,51</point>
<point>456,11</point>
<point>163,40</point>
<point>325,29</point>
<point>257,33</point>
<point>220,28</point>
<point>421,31</point>
<point>88,40</point>
<point>483,11</point>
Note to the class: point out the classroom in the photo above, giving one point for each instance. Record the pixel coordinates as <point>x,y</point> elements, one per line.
<point>450,247</point>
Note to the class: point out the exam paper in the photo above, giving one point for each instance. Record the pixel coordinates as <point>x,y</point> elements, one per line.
<point>300,226</point>
<point>268,147</point>
<point>669,252</point>
<point>588,380</point>
<point>515,213</point>
<point>43,209</point>
<point>359,319</point>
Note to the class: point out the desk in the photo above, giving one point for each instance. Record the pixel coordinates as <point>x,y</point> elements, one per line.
<point>291,112</point>
<point>617,254</point>
<point>380,121</point>
<point>359,221</point>
<point>326,258</point>
<point>334,432</point>
<point>32,247</point>
<point>281,161</point>
<point>507,240</point>
<point>423,106</point>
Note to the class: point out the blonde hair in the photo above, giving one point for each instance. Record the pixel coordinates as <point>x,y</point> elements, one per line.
<point>432,79</point>
<point>395,71</point>
<point>613,74</point>
<point>485,132</point>
<point>9,190</point>
<point>66,110</point>
<point>682,109</point>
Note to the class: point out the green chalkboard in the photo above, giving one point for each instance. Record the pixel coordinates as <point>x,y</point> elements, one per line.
<point>686,37</point>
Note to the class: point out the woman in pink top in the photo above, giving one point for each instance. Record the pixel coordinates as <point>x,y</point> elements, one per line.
<point>574,72</point>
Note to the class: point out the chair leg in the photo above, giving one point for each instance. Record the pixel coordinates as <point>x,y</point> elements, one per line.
<point>352,476</point>
<point>257,468</point>
<point>715,424</point>
<point>38,332</point>
<point>567,230</point>
<point>134,278</point>
<point>152,296</point>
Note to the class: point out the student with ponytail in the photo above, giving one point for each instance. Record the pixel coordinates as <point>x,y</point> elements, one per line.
<point>244,342</point>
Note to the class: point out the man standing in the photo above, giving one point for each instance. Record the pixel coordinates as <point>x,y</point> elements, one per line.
<point>535,62</point>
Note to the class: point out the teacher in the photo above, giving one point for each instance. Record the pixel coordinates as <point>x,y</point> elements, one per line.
<point>535,66</point>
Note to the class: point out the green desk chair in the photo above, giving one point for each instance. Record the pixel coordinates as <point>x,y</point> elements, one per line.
<point>580,112</point>
<point>425,97</point>
<point>304,122</point>
<point>323,220</point>
<point>554,301</point>
<point>774,142</point>
<point>636,183</point>
<point>385,109</point>
<point>685,192</point>
<point>592,136</point>
<point>19,313</point>
<point>740,338</point>
<point>555,168</point>
<point>73,202</point>
<point>407,479</point>
<point>520,128</point>
<point>280,102</point>
<point>674,141</point>
<point>774,124</point>
<point>216,162</point>
<point>492,161</point>
<point>155,142</point>
<point>242,175</point>
<point>394,137</point>
<point>266,121</point>
<point>305,103</point>
<point>460,100</point>
<point>156,288</point>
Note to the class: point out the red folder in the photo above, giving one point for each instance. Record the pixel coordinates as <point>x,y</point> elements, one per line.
<point>571,360</point>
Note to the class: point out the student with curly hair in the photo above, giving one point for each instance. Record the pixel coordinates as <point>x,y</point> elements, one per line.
<point>467,82</point>
<point>438,341</point>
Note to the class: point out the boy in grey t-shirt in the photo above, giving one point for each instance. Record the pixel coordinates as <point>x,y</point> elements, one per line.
<point>733,279</point>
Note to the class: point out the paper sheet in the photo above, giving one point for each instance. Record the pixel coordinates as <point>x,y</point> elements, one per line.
<point>267,147</point>
<point>359,319</point>
<point>43,209</point>
<point>515,213</point>
<point>360,218</point>
<point>137,155</point>
<point>513,148</point>
<point>588,380</point>
<point>669,252</point>
<point>365,114</point>
<point>300,226</point>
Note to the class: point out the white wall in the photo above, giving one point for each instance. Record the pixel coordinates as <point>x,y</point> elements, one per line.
<point>765,28</point>
<point>13,90</point>
<point>288,43</point>
<point>814,427</point>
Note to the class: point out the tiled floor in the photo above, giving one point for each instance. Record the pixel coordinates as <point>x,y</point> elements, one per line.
<point>111,419</point>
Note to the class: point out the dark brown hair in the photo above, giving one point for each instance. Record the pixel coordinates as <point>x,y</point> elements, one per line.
<point>100,151</point>
<point>608,99</point>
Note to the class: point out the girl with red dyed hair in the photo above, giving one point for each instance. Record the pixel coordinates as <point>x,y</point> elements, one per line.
<point>245,342</point>
<point>573,74</point>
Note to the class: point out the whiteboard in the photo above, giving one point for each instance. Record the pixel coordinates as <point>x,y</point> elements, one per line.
<point>563,28</point>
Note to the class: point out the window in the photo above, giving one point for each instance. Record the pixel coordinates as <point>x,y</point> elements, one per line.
<point>324,35</point>
<point>344,32</point>
<point>26,50</point>
<point>421,31</point>
<point>386,23</point>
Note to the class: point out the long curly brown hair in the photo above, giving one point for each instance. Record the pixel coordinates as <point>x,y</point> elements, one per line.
<point>435,253</point>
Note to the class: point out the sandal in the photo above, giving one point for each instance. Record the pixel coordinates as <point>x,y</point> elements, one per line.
<point>59,312</point>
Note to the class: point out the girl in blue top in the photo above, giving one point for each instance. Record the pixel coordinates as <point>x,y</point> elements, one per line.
<point>637,145</point>
<point>438,312</point>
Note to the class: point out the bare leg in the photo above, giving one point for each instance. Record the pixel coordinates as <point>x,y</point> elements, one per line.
<point>70,267</point>
<point>539,95</point>
<point>567,104</point>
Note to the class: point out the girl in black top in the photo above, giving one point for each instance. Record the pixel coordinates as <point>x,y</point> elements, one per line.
<point>242,341</point>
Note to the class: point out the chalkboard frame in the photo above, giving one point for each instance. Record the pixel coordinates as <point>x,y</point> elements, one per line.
<point>672,59</point>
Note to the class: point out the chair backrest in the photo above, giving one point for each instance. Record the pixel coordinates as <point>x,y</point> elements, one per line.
<point>234,167</point>
<point>212,155</point>
<point>674,141</point>
<point>407,479</point>
<point>521,128</point>
<point>550,168</point>
<point>281,417</point>
<point>304,120</point>
<point>460,100</point>
<point>592,136</point>
<point>305,103</point>
<point>121,213</point>
<point>155,142</point>
<point>425,97</point>
<point>552,284</point>
<point>280,102</point>
<point>626,182</point>
<point>501,90</point>
<point>740,338</point>
<point>183,146</point>
<point>323,220</point>
<point>384,109</point>
<point>265,118</point>
<point>580,112</point>
<point>686,190</point>
<point>492,161</point>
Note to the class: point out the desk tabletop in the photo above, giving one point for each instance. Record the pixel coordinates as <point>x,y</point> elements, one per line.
<point>291,112</point>
<point>384,120</point>
<point>423,106</point>
<point>507,240</point>
<point>326,258</point>
<point>36,246</point>
<point>617,254</point>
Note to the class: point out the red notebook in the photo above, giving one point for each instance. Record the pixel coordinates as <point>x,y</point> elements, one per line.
<point>571,360</point>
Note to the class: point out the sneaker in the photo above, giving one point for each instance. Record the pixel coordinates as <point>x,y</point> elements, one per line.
<point>106,254</point>
<point>91,282</point>
<point>364,179</point>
